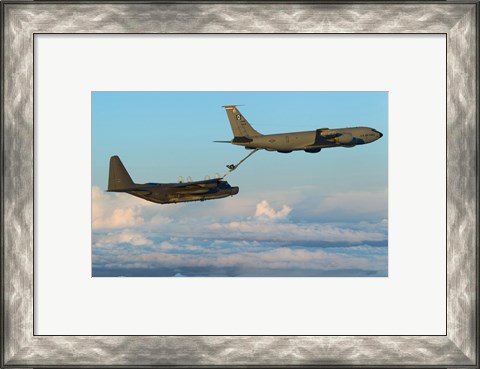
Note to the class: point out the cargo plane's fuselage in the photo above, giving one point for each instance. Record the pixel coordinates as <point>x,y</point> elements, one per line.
<point>167,193</point>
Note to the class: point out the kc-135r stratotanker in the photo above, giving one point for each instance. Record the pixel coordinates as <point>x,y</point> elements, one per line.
<point>309,141</point>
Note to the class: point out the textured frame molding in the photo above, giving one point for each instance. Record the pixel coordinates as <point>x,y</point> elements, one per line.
<point>21,20</point>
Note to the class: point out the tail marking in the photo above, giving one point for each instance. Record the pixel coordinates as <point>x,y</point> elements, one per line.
<point>240,126</point>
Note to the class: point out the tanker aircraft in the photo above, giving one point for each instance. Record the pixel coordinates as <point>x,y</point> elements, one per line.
<point>166,193</point>
<point>309,141</point>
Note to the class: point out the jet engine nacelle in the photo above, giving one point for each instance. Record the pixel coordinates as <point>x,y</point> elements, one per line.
<point>345,139</point>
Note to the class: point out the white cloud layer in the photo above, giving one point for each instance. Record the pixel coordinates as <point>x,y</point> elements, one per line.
<point>267,231</point>
<point>120,211</point>
<point>277,258</point>
<point>121,218</point>
<point>265,223</point>
<point>264,210</point>
<point>135,239</point>
<point>133,233</point>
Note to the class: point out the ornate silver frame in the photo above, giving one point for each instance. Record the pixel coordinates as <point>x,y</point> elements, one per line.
<point>457,20</point>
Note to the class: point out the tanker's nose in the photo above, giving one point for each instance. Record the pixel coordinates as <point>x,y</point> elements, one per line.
<point>380,134</point>
<point>234,191</point>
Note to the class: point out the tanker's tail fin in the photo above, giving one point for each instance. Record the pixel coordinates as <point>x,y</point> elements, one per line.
<point>118,178</point>
<point>240,126</point>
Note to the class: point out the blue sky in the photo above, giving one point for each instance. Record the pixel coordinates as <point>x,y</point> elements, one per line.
<point>330,208</point>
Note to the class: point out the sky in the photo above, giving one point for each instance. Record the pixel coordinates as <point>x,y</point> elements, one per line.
<point>297,214</point>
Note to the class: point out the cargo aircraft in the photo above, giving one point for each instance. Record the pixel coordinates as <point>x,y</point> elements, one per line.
<point>166,193</point>
<point>309,141</point>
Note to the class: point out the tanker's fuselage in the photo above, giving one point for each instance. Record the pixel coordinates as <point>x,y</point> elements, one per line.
<point>311,141</point>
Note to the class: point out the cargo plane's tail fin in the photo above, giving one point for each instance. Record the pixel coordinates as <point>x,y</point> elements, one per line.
<point>240,126</point>
<point>118,178</point>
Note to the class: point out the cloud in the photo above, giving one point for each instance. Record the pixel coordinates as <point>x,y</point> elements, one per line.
<point>135,239</point>
<point>271,231</point>
<point>256,261</point>
<point>121,218</point>
<point>265,223</point>
<point>120,211</point>
<point>265,226</point>
<point>264,210</point>
<point>169,246</point>
<point>211,238</point>
<point>107,214</point>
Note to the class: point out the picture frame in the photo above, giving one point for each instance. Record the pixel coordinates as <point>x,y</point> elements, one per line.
<point>22,20</point>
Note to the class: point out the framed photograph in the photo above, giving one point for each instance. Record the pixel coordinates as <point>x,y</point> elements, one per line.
<point>295,224</point>
<point>346,234</point>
